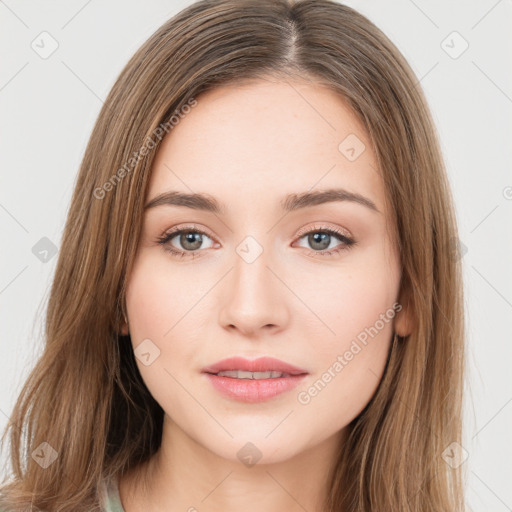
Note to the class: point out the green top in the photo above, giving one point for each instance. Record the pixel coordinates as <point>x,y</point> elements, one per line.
<point>111,501</point>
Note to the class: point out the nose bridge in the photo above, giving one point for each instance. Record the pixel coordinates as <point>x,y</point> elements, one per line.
<point>251,297</point>
<point>251,274</point>
<point>252,277</point>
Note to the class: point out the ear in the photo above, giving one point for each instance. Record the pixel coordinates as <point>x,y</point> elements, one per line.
<point>124,329</point>
<point>405,319</point>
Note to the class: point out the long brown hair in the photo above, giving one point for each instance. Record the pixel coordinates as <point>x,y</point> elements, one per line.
<point>85,397</point>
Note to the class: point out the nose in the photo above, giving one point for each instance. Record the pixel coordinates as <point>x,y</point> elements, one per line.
<point>253,297</point>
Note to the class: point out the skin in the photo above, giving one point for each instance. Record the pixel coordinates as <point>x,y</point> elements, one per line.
<point>249,146</point>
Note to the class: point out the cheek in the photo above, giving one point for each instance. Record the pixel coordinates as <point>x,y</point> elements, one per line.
<point>350,301</point>
<point>165,306</point>
<point>157,319</point>
<point>349,366</point>
<point>158,297</point>
<point>357,316</point>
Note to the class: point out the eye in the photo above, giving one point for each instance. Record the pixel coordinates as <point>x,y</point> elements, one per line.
<point>190,239</point>
<point>321,238</point>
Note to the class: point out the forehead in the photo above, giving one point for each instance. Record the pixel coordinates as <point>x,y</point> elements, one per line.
<point>267,139</point>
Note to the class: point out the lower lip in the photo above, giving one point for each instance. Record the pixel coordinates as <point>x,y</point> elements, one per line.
<point>253,390</point>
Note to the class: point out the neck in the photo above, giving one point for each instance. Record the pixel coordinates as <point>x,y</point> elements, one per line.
<point>184,475</point>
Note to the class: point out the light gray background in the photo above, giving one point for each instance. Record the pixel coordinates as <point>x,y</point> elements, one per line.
<point>49,106</point>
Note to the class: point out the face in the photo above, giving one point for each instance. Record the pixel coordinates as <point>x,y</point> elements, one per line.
<point>313,283</point>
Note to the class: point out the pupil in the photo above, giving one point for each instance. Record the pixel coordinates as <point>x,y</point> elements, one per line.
<point>193,238</point>
<point>322,239</point>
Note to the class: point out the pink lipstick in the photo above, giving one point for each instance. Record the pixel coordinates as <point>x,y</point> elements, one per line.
<point>253,380</point>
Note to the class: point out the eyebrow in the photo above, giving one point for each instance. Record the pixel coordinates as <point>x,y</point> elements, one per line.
<point>290,203</point>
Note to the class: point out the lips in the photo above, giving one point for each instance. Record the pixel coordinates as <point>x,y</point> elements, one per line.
<point>262,364</point>
<point>255,380</point>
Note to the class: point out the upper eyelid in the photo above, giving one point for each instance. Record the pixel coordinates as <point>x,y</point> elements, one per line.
<point>323,227</point>
<point>193,228</point>
<point>300,232</point>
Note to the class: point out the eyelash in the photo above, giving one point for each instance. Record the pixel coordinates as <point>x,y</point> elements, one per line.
<point>348,243</point>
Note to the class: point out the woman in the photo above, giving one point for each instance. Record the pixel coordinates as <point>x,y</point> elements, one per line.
<point>256,303</point>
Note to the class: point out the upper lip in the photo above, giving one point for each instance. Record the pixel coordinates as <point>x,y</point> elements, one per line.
<point>262,364</point>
